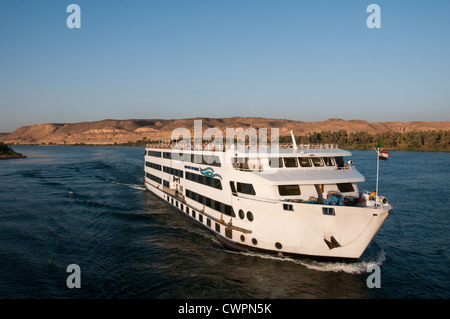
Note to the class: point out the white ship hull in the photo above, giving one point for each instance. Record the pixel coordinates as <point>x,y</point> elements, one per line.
<point>266,222</point>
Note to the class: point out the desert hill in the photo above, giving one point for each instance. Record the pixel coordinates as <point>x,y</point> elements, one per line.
<point>125,131</point>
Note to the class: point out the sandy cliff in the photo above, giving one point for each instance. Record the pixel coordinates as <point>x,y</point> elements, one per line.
<point>124,131</point>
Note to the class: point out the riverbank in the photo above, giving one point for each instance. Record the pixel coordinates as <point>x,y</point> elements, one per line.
<point>8,153</point>
<point>341,146</point>
<point>8,156</point>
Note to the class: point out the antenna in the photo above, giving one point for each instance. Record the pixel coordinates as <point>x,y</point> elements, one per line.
<point>294,143</point>
<point>378,150</point>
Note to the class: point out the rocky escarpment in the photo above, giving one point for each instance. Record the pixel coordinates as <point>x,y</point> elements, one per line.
<point>126,131</point>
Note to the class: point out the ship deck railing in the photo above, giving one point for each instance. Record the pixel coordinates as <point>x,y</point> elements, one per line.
<point>228,146</point>
<point>313,168</point>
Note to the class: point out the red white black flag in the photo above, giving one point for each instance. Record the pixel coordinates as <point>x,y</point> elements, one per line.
<point>383,156</point>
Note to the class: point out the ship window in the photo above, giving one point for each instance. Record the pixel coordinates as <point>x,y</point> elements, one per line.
<point>328,211</point>
<point>290,162</point>
<point>217,227</point>
<point>200,217</point>
<point>275,162</point>
<point>288,207</point>
<point>345,187</point>
<point>289,190</point>
<point>153,165</point>
<point>217,183</point>
<point>209,181</point>
<point>219,206</point>
<point>229,211</point>
<point>167,155</point>
<point>328,161</point>
<point>211,160</point>
<point>339,161</point>
<point>154,153</point>
<point>304,162</point>
<point>173,171</point>
<point>154,178</point>
<point>240,163</point>
<point>245,188</point>
<point>317,161</point>
<point>208,222</point>
<point>233,188</point>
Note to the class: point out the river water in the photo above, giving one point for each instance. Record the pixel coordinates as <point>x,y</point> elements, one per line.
<point>87,206</point>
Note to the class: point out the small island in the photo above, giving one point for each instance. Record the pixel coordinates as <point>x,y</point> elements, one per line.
<point>7,153</point>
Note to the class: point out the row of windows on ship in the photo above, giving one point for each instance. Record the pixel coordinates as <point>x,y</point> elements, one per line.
<point>245,163</point>
<point>214,204</point>
<point>236,187</point>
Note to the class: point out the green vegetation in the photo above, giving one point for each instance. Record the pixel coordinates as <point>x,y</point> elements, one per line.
<point>427,141</point>
<point>408,141</point>
<point>7,152</point>
<point>142,142</point>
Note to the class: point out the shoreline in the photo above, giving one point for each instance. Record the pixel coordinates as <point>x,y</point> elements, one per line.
<point>11,156</point>
<point>8,153</point>
<point>344,147</point>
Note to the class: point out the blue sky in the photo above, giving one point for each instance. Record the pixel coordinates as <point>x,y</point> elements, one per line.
<point>302,60</point>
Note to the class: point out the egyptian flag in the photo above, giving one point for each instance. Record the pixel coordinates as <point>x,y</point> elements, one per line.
<point>383,156</point>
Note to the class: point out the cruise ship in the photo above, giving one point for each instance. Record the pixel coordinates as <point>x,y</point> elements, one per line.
<point>298,200</point>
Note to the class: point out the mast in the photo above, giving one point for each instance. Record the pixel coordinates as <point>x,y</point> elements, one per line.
<point>294,143</point>
<point>378,150</point>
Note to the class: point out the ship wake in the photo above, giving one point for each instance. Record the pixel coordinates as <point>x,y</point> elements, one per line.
<point>358,267</point>
<point>133,186</point>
